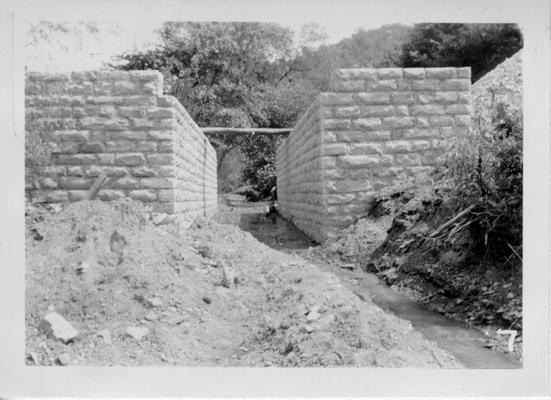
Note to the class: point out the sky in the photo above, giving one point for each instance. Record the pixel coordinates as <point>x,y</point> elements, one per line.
<point>67,54</point>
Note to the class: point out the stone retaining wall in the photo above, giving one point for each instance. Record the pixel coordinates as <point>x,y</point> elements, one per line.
<point>376,126</point>
<point>299,174</point>
<point>119,123</point>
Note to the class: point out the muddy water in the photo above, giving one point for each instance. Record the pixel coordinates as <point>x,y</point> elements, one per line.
<point>464,342</point>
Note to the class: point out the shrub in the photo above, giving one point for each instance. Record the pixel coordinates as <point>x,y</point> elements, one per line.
<point>485,166</point>
<point>38,150</point>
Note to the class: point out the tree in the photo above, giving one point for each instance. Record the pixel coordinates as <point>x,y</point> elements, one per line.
<point>227,75</point>
<point>480,46</point>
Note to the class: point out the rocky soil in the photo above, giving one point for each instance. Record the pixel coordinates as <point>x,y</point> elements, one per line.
<point>141,290</point>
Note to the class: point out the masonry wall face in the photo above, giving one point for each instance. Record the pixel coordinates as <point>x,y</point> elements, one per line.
<point>299,174</point>
<point>119,123</point>
<point>376,126</point>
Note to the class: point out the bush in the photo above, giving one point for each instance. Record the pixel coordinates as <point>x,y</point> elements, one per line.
<point>485,166</point>
<point>38,150</point>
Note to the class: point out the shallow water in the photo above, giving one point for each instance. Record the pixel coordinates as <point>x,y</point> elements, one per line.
<point>464,342</point>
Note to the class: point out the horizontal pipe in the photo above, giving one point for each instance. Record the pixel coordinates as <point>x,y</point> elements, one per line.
<point>245,131</point>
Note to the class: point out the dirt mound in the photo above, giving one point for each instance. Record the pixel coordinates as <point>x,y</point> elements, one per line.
<point>141,294</point>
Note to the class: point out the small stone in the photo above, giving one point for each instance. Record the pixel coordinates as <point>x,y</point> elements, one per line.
<point>63,359</point>
<point>313,316</point>
<point>151,316</point>
<point>154,302</point>
<point>176,320</point>
<point>106,336</point>
<point>56,327</point>
<point>207,299</point>
<point>228,275</point>
<point>306,329</point>
<point>326,321</point>
<point>136,332</point>
<point>159,218</point>
<point>302,310</point>
<point>284,325</point>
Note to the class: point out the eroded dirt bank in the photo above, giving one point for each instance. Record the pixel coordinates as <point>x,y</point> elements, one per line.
<point>212,295</point>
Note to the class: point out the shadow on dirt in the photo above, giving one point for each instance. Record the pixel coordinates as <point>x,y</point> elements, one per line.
<point>275,232</point>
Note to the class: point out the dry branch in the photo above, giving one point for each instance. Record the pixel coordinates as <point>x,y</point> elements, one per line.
<point>96,186</point>
<point>451,221</point>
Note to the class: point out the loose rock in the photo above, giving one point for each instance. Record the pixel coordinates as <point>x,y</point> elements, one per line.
<point>106,336</point>
<point>56,327</point>
<point>63,359</point>
<point>154,302</point>
<point>136,332</point>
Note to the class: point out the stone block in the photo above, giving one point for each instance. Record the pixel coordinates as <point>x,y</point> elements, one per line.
<point>132,111</point>
<point>91,147</point>
<point>373,98</point>
<point>426,84</point>
<point>368,123</point>
<point>144,195</point>
<point>464,72</point>
<point>125,88</point>
<point>398,122</point>
<point>397,146</point>
<point>75,183</point>
<point>441,120</point>
<point>455,84</point>
<point>356,73</point>
<point>160,159</point>
<point>119,146</point>
<point>415,133</point>
<point>426,109</point>
<point>77,195</point>
<point>358,161</point>
<point>408,159</point>
<point>389,73</point>
<point>346,112</point>
<point>130,159</point>
<point>420,145</point>
<point>125,182</point>
<point>156,183</point>
<point>106,159</point>
<point>440,73</point>
<point>384,86</point>
<point>104,123</point>
<point>334,99</point>
<point>336,124</point>
<point>402,98</point>
<point>377,111</point>
<point>160,112</point>
<point>414,73</point>
<point>71,135</point>
<point>74,159</point>
<point>366,148</point>
<point>143,172</point>
<point>348,86</point>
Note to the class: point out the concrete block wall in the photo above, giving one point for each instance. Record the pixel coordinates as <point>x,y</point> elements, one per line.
<point>299,174</point>
<point>119,123</point>
<point>377,125</point>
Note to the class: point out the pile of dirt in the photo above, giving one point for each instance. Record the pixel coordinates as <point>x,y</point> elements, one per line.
<point>146,294</point>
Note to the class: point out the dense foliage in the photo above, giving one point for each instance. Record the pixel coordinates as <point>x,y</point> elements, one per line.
<point>480,46</point>
<point>486,166</point>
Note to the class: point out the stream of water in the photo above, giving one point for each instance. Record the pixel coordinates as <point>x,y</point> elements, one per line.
<point>464,342</point>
